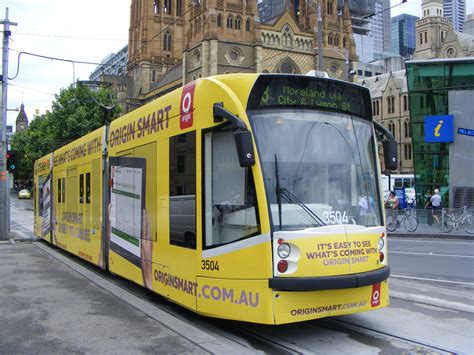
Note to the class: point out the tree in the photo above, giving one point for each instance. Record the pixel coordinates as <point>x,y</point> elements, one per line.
<point>75,112</point>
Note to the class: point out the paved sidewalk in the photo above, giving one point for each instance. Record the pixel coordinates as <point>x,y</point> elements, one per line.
<point>50,304</point>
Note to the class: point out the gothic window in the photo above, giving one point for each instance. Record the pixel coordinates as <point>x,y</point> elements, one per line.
<point>167,8</point>
<point>373,107</point>
<point>422,102</point>
<point>237,23</point>
<point>153,75</point>
<point>426,36</point>
<point>178,7</point>
<point>329,5</point>
<point>421,38</point>
<point>405,103</point>
<point>156,6</point>
<point>407,151</point>
<point>407,129</point>
<point>286,67</point>
<point>336,39</point>
<point>344,42</point>
<point>219,20</point>
<point>330,39</point>
<point>391,104</point>
<point>377,106</point>
<point>247,25</point>
<point>230,22</point>
<point>391,127</point>
<point>167,41</point>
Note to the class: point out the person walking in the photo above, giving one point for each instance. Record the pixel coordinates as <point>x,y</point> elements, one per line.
<point>429,207</point>
<point>436,203</point>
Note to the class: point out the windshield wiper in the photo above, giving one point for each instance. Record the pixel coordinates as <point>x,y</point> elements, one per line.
<point>278,190</point>
<point>291,198</point>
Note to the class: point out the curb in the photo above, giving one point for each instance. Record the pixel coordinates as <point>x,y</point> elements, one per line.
<point>425,235</point>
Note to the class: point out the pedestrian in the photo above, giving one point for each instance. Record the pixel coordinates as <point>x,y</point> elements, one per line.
<point>429,207</point>
<point>392,203</point>
<point>436,203</point>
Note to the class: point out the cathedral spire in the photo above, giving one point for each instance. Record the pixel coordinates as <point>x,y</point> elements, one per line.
<point>21,120</point>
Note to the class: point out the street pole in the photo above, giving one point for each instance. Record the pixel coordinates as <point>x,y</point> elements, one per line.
<point>4,193</point>
<point>320,38</point>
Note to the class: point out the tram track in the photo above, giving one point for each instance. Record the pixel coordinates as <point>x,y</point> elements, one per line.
<point>256,338</point>
<point>425,346</point>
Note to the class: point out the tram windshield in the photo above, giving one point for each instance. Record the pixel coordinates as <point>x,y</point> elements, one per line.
<point>319,168</point>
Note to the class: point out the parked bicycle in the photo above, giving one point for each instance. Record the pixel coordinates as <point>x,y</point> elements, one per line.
<point>464,220</point>
<point>408,219</point>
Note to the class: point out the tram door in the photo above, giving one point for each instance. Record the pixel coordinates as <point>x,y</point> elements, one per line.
<point>84,227</point>
<point>182,234</point>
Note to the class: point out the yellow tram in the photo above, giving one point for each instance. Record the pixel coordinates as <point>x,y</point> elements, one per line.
<point>247,197</point>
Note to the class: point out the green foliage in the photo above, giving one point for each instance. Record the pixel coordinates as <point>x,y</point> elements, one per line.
<point>75,112</point>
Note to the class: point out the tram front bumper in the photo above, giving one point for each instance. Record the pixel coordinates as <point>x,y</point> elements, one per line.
<point>329,282</point>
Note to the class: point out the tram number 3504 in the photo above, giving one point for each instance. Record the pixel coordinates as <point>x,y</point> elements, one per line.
<point>209,265</point>
<point>335,217</point>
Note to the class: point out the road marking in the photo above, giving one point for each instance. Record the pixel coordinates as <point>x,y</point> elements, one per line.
<point>435,280</point>
<point>430,241</point>
<point>431,254</point>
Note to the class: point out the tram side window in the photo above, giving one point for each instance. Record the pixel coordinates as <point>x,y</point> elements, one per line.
<point>40,197</point>
<point>63,195</point>
<point>59,190</point>
<point>81,188</point>
<point>88,188</point>
<point>230,198</point>
<point>182,172</point>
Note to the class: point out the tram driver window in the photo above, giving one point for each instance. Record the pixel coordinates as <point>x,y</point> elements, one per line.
<point>230,197</point>
<point>183,190</point>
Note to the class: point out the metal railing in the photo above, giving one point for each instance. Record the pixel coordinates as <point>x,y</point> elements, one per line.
<point>431,221</point>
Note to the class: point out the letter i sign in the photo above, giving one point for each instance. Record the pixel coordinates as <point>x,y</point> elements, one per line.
<point>187,106</point>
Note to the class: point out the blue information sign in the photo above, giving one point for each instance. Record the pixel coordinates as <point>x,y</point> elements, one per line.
<point>466,132</point>
<point>439,129</point>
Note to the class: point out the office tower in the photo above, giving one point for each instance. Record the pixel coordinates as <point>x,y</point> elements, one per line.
<point>455,10</point>
<point>403,33</point>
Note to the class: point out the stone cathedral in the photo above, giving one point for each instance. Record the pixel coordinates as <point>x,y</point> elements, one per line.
<point>172,42</point>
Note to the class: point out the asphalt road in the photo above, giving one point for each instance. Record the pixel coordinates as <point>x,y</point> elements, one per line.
<point>448,260</point>
<point>431,293</point>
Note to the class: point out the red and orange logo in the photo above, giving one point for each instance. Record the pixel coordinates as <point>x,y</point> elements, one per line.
<point>187,106</point>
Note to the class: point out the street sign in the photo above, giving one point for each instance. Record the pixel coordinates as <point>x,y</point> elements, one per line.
<point>439,129</point>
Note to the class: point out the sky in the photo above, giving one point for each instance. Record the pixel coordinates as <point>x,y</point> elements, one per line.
<point>83,30</point>
<point>86,30</point>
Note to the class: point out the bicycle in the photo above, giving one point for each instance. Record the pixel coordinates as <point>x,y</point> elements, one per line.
<point>465,220</point>
<point>409,220</point>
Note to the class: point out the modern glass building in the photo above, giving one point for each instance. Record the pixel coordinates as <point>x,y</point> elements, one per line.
<point>443,151</point>
<point>455,10</point>
<point>404,34</point>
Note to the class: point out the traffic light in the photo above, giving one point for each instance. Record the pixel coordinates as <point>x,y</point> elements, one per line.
<point>12,165</point>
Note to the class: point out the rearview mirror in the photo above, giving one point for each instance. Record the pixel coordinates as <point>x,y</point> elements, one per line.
<point>244,145</point>
<point>390,154</point>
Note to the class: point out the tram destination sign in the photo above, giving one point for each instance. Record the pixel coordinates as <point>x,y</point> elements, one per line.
<point>272,91</point>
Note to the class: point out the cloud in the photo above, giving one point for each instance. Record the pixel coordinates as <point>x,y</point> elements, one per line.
<point>54,28</point>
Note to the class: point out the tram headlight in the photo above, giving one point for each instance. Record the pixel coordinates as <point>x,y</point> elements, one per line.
<point>284,250</point>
